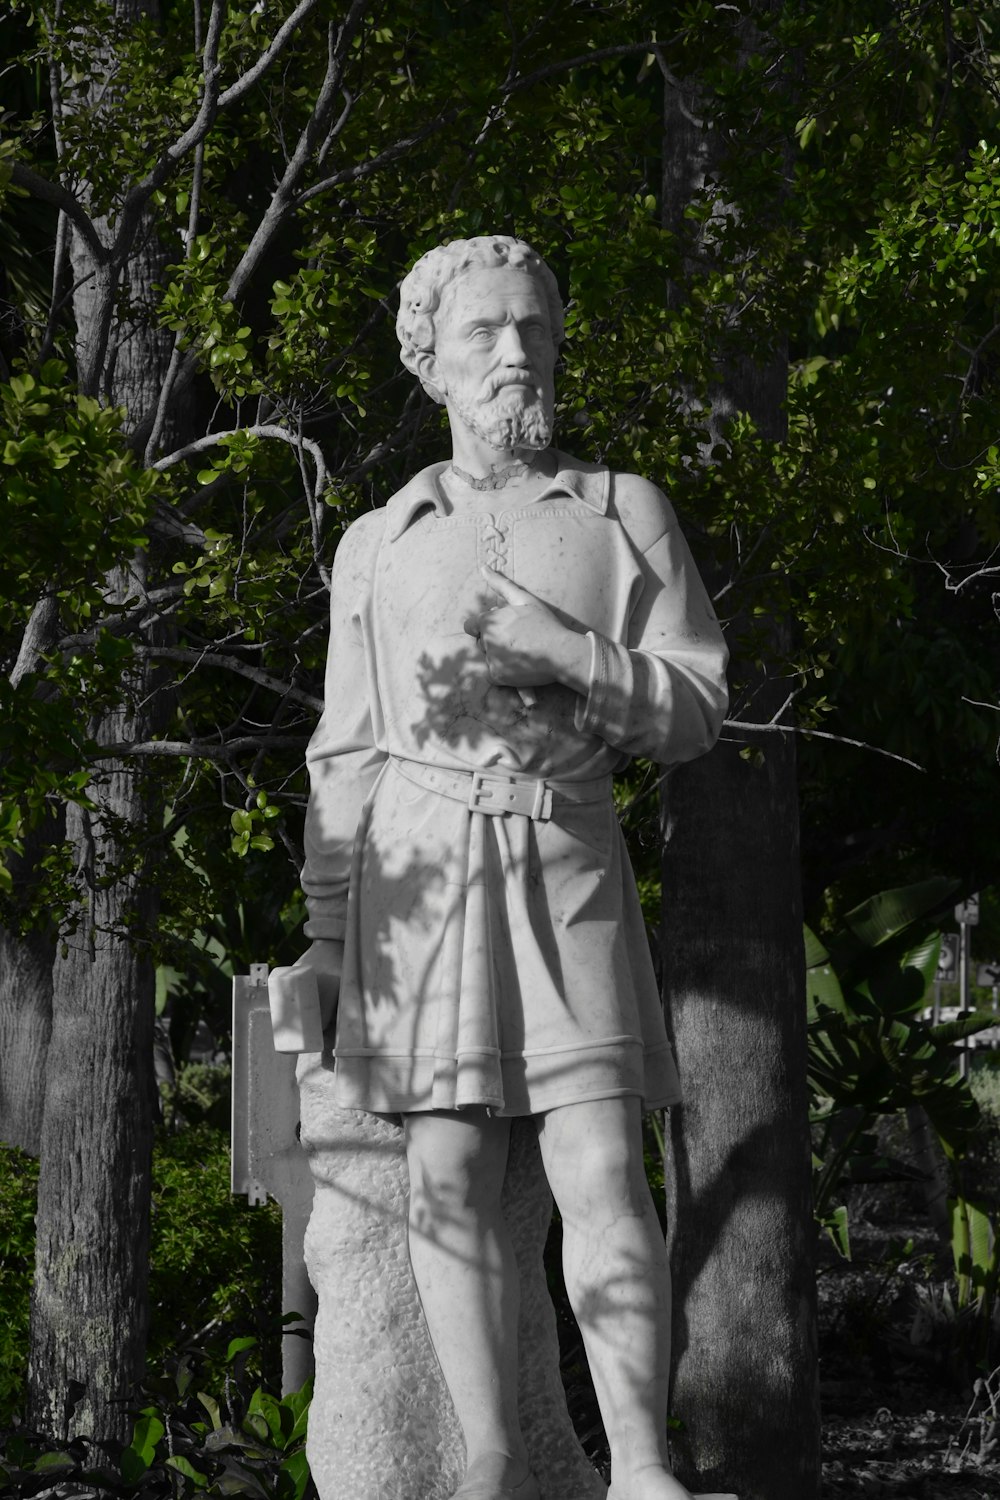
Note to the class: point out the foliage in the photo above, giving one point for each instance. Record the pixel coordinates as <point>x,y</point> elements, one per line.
<point>215,1262</point>
<point>870,1051</point>
<point>185,1442</point>
<point>200,1094</point>
<point>225,912</point>
<point>67,473</point>
<point>18,1185</point>
<point>976,1261</point>
<point>984,1082</point>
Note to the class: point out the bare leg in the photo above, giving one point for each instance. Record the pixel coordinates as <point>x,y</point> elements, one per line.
<point>618,1280</point>
<point>465,1271</point>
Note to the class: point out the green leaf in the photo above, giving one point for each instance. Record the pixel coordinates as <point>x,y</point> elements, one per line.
<point>212,1407</point>
<point>296,1469</point>
<point>837,1226</point>
<point>945,1033</point>
<point>239,1346</point>
<point>186,1467</point>
<point>891,912</point>
<point>146,1433</point>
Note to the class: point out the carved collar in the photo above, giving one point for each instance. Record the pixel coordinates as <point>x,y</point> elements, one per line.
<point>574,480</point>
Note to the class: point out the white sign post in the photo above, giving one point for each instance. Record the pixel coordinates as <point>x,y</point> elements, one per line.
<point>988,977</point>
<point>947,964</point>
<point>966,915</point>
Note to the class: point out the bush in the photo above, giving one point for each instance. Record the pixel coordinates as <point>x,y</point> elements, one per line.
<point>215,1263</point>
<point>185,1443</point>
<point>984,1080</point>
<point>18,1192</point>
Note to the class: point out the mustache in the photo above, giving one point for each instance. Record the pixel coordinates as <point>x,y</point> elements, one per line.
<point>497,383</point>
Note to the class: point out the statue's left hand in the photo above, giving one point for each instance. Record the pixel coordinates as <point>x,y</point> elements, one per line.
<point>525,643</point>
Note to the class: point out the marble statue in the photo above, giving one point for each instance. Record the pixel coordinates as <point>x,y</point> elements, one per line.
<point>505,633</point>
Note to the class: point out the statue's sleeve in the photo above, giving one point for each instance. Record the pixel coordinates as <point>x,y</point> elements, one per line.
<point>343,758</point>
<point>662,693</point>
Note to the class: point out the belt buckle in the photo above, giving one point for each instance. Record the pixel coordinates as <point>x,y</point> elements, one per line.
<point>478,792</point>
<point>541,809</point>
<point>496,796</point>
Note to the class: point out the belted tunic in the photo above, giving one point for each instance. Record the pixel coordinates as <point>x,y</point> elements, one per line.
<point>464,844</point>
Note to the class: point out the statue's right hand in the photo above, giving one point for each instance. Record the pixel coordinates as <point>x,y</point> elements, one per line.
<point>303,997</point>
<point>325,958</point>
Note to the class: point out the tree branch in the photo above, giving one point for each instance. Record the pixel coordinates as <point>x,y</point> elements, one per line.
<point>166,389</point>
<point>263,679</point>
<point>141,192</point>
<point>59,299</point>
<point>819,734</point>
<point>200,749</point>
<point>337,127</point>
<point>113,624</point>
<point>284,197</point>
<point>390,154</point>
<point>770,728</point>
<point>213,103</point>
<point>61,198</point>
<point>38,637</point>
<point>260,429</point>
<point>246,81</point>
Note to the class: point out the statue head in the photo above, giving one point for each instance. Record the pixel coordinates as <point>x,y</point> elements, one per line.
<point>455,278</point>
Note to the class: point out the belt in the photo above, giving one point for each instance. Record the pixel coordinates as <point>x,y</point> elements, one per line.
<point>534,797</point>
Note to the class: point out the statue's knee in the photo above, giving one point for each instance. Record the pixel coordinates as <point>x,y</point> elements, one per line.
<point>448,1191</point>
<point>606,1186</point>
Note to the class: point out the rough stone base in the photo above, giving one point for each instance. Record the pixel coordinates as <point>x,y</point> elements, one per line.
<point>382,1426</point>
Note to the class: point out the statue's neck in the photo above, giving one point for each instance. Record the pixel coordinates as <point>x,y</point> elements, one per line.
<point>502,487</point>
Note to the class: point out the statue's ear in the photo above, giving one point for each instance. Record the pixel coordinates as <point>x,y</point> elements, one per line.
<point>425,368</point>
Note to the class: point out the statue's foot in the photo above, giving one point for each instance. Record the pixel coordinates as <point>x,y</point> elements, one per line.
<point>494,1476</point>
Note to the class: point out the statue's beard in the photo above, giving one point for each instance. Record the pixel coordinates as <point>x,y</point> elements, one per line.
<point>512,417</point>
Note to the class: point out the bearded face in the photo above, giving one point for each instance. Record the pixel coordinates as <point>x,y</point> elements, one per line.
<point>495,356</point>
<point>508,412</point>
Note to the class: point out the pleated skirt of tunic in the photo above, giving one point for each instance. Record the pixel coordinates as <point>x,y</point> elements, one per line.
<point>493,960</point>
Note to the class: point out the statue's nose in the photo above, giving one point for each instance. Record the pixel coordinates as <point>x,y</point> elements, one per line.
<point>512,346</point>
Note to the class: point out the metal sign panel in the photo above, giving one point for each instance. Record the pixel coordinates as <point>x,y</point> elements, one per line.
<point>947,969</point>
<point>266,1154</point>
<point>968,911</point>
<point>267,1157</point>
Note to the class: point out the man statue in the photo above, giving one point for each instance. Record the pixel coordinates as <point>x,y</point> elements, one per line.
<point>506,632</point>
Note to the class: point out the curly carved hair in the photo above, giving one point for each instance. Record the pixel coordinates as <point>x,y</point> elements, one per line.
<point>422,289</point>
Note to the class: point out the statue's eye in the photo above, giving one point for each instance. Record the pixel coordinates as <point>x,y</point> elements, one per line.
<point>481,334</point>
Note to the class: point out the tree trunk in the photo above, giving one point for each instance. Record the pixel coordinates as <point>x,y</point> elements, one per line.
<point>26,957</point>
<point>25,1024</point>
<point>739,1199</point>
<point>89,1305</point>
